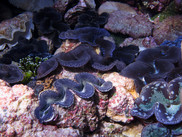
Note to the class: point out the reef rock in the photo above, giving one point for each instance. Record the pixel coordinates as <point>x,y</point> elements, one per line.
<point>122,99</point>
<point>61,5</point>
<point>15,109</point>
<point>111,6</point>
<point>72,14</point>
<point>129,24</point>
<point>82,115</point>
<point>147,42</point>
<point>168,29</point>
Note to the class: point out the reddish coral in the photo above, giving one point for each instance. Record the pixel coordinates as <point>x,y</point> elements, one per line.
<point>122,100</point>
<point>168,29</point>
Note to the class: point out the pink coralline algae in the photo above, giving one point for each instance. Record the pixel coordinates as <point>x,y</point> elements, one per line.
<point>122,100</point>
<point>82,115</point>
<point>14,109</point>
<point>168,29</point>
<point>9,95</point>
<point>129,24</point>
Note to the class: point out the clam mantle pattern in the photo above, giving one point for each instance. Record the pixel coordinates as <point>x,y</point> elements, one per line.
<point>84,87</point>
<point>161,99</point>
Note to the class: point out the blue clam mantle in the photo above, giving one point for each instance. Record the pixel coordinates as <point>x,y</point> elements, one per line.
<point>84,87</point>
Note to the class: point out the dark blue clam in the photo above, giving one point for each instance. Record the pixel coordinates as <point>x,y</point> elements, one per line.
<point>91,19</point>
<point>49,20</point>
<point>82,90</point>
<point>98,83</point>
<point>136,70</point>
<point>176,42</point>
<point>77,57</point>
<point>62,97</point>
<point>147,72</point>
<point>47,67</point>
<point>126,54</point>
<point>24,48</point>
<point>170,54</point>
<point>45,113</point>
<point>67,100</point>
<point>103,86</point>
<point>176,72</point>
<point>85,34</point>
<point>10,73</point>
<point>105,65</point>
<point>106,47</point>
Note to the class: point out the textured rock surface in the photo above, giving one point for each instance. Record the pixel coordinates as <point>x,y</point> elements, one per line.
<point>147,42</point>
<point>61,5</point>
<point>168,29</point>
<point>15,109</point>
<point>82,115</point>
<point>129,24</point>
<point>72,13</point>
<point>122,98</point>
<point>111,6</point>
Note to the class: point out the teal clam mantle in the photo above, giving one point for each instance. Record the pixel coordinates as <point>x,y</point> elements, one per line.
<point>161,99</point>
